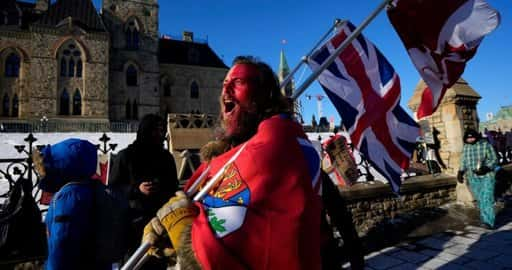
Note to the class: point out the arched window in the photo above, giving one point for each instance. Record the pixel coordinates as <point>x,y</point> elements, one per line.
<point>71,66</point>
<point>77,103</point>
<point>194,90</point>
<point>64,103</point>
<point>135,35</point>
<point>15,106</point>
<point>5,105</point>
<point>167,89</point>
<point>165,85</point>
<point>12,65</point>
<point>70,56</point>
<point>128,110</point>
<point>63,67</point>
<point>131,76</point>
<point>132,34</point>
<point>79,68</point>
<point>135,111</point>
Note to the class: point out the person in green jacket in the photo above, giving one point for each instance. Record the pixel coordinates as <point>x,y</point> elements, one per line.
<point>478,163</point>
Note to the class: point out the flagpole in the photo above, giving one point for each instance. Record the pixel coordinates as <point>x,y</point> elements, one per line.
<point>338,50</point>
<point>139,257</point>
<point>303,60</point>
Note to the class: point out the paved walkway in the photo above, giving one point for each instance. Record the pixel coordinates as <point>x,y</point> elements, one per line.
<point>467,247</point>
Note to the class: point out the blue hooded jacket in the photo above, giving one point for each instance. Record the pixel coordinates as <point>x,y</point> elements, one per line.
<point>69,166</point>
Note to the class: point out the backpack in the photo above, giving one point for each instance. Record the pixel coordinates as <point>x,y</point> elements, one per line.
<point>22,232</point>
<point>112,223</point>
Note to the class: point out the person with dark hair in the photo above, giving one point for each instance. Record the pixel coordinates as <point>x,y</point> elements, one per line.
<point>66,169</point>
<point>478,163</point>
<point>146,174</point>
<point>265,211</point>
<point>508,142</point>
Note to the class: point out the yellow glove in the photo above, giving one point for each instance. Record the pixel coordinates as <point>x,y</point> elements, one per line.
<point>156,235</point>
<point>178,213</point>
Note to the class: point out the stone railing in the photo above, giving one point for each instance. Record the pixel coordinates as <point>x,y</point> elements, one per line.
<point>371,203</point>
<point>190,120</point>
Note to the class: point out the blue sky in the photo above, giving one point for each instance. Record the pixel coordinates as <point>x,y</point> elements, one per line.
<point>258,28</point>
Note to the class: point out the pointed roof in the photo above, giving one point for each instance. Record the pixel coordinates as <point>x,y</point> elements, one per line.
<point>173,51</point>
<point>82,12</point>
<point>284,70</point>
<point>282,73</point>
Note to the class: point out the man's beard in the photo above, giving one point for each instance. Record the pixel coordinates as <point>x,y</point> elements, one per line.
<point>246,126</point>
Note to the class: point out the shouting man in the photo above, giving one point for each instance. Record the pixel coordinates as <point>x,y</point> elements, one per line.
<point>265,211</point>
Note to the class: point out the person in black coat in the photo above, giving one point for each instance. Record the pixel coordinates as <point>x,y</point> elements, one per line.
<point>145,173</point>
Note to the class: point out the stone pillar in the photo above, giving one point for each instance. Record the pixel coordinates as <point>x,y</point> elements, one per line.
<point>456,112</point>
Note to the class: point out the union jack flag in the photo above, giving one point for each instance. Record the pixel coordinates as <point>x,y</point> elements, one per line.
<point>365,90</point>
<point>440,37</point>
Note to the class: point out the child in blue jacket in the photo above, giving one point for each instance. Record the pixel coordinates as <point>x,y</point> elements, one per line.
<point>66,168</point>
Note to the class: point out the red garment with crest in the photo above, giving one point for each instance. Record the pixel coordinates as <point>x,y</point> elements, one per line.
<point>265,213</point>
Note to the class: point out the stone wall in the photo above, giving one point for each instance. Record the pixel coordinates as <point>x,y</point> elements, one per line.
<point>38,85</point>
<point>372,203</point>
<point>209,80</point>
<point>117,15</point>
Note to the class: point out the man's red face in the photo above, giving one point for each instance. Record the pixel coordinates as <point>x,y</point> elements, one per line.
<point>237,96</point>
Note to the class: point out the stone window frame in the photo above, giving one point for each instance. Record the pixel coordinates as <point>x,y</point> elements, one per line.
<point>15,110</point>
<point>70,58</point>
<point>135,110</point>
<point>131,73</point>
<point>77,103</point>
<point>64,102</point>
<point>128,110</point>
<point>131,110</point>
<point>194,89</point>
<point>166,84</point>
<point>5,105</point>
<point>12,64</point>
<point>132,33</point>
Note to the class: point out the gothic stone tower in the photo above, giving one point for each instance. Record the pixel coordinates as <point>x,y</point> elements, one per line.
<point>134,68</point>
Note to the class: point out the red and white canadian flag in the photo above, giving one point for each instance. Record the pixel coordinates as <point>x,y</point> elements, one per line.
<point>440,37</point>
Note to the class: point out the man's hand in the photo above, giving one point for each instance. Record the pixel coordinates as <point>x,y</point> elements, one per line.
<point>156,235</point>
<point>482,171</point>
<point>147,188</point>
<point>178,213</point>
<point>460,176</point>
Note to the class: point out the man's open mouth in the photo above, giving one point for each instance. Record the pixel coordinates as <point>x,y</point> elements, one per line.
<point>228,106</point>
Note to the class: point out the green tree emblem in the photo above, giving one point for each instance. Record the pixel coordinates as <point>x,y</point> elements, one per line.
<point>217,224</point>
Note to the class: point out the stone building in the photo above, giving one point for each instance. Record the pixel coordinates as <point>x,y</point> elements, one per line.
<point>456,112</point>
<point>65,60</point>
<point>501,121</point>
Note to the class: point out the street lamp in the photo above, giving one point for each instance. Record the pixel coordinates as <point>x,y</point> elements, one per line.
<point>44,123</point>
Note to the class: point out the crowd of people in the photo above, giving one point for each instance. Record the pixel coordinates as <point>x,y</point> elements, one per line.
<point>266,212</point>
<point>501,142</point>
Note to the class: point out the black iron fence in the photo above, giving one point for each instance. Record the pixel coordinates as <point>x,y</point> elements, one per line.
<point>65,125</point>
<point>14,169</point>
